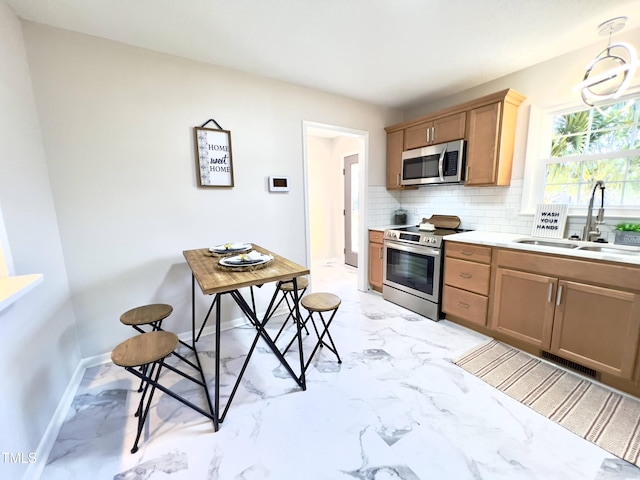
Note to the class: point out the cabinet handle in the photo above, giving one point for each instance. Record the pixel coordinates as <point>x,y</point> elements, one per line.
<point>433,134</point>
<point>558,300</point>
<point>465,275</point>
<point>428,134</point>
<point>466,252</point>
<point>463,305</point>
<point>380,253</point>
<point>550,292</point>
<point>398,179</point>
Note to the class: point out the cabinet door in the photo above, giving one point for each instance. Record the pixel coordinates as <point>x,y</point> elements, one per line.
<point>394,159</point>
<point>418,136</point>
<point>441,130</point>
<point>448,129</point>
<point>597,327</point>
<point>524,306</point>
<point>375,266</point>
<point>482,144</point>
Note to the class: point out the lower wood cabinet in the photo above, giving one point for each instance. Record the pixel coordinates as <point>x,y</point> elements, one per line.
<point>523,306</point>
<point>466,282</point>
<point>375,259</point>
<point>468,306</point>
<point>595,326</point>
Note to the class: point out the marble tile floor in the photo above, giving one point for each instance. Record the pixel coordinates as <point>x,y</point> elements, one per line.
<point>396,408</point>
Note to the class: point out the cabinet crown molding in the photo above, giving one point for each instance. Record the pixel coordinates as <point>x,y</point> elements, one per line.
<point>509,96</point>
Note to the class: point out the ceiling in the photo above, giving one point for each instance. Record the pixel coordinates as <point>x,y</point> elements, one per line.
<point>394,53</point>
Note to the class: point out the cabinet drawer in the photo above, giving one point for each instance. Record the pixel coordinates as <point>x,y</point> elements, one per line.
<point>469,252</point>
<point>466,305</point>
<point>376,236</point>
<point>467,275</point>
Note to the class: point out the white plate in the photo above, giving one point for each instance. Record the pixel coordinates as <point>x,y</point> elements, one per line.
<point>253,258</point>
<point>231,248</point>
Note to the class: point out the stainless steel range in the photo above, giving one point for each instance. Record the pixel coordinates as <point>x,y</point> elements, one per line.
<point>413,261</point>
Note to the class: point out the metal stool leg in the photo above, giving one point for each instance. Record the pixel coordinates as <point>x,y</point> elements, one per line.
<point>291,315</point>
<point>321,342</point>
<point>142,418</point>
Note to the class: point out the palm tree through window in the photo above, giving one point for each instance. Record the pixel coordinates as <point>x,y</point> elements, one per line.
<point>595,144</point>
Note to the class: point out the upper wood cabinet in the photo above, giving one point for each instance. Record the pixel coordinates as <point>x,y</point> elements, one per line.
<point>395,143</point>
<point>491,135</point>
<point>440,130</point>
<point>488,126</point>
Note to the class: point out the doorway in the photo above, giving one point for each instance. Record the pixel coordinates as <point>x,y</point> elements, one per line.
<point>325,149</point>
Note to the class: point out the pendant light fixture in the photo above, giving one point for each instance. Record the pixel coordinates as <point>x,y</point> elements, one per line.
<point>609,75</point>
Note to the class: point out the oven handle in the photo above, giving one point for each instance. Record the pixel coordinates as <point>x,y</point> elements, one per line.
<point>412,248</point>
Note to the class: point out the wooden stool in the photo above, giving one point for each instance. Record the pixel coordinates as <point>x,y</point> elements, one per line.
<point>152,315</point>
<point>320,303</point>
<point>286,288</point>
<point>144,356</point>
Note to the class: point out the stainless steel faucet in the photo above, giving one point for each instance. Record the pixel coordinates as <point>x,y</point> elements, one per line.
<point>591,232</point>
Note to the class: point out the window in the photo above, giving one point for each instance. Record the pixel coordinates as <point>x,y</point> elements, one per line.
<point>587,145</point>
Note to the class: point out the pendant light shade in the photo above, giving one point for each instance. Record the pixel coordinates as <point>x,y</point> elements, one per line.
<point>610,74</point>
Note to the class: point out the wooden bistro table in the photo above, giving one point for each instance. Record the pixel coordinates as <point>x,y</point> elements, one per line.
<point>215,281</point>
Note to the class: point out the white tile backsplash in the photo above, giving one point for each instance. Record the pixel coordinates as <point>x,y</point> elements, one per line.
<point>495,209</point>
<point>486,208</point>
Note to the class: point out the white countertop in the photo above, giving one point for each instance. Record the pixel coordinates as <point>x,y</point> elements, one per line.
<point>628,255</point>
<point>389,227</point>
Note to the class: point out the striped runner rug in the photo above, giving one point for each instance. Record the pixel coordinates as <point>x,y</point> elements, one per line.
<point>605,417</point>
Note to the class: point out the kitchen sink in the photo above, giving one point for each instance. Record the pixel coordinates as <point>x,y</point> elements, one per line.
<point>609,249</point>
<point>547,243</point>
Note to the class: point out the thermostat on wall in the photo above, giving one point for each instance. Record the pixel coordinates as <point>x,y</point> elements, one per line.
<point>278,184</point>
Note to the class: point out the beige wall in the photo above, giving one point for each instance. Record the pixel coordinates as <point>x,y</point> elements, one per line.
<point>117,125</point>
<point>40,349</point>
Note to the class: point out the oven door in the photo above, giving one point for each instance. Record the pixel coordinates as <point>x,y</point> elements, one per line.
<point>414,269</point>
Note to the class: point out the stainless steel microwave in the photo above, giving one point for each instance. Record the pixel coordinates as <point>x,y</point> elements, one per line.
<point>443,163</point>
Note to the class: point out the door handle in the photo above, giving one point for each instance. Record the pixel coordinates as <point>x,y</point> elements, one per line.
<point>559,299</point>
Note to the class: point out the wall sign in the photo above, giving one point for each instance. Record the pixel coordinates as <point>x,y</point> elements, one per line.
<point>213,157</point>
<point>550,220</point>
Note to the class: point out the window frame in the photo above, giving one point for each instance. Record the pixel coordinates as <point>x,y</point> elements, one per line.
<point>538,152</point>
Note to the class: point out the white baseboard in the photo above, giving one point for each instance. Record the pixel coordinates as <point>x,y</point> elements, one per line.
<point>34,470</point>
